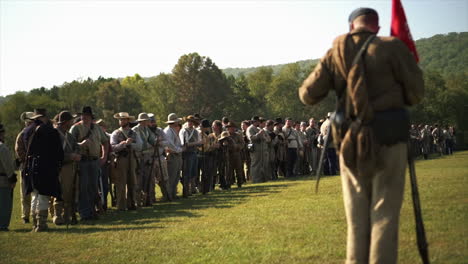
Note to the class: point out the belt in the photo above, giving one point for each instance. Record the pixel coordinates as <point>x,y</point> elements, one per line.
<point>88,158</point>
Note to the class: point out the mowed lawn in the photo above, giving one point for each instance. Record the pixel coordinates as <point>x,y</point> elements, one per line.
<point>275,222</point>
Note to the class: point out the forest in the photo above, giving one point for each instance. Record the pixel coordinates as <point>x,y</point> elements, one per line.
<point>197,85</point>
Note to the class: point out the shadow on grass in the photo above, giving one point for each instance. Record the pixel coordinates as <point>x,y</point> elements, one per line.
<point>154,217</point>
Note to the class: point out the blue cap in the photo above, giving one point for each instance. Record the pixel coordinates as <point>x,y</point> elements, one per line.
<point>361,11</point>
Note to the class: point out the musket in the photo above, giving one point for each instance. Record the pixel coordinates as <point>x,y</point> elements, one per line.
<point>74,187</point>
<point>322,156</point>
<point>420,232</point>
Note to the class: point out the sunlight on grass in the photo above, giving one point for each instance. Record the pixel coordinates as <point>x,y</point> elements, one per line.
<point>275,222</point>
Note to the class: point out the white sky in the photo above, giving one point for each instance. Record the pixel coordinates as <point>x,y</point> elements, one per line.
<point>46,43</point>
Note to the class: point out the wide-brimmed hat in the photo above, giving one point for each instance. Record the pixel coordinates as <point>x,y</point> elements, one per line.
<point>100,122</point>
<point>142,117</point>
<point>39,113</point>
<point>197,117</point>
<point>124,115</point>
<point>151,117</point>
<point>87,111</point>
<point>25,116</point>
<point>192,118</point>
<point>64,116</point>
<point>255,118</point>
<point>224,135</point>
<point>205,123</point>
<point>231,124</point>
<point>172,118</point>
<point>278,121</point>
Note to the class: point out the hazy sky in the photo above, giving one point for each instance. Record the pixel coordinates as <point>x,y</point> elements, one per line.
<point>46,43</point>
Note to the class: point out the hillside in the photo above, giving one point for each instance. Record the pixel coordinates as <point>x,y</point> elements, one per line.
<point>446,53</point>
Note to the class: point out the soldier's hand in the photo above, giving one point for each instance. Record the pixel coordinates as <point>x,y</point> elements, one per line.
<point>84,142</point>
<point>75,157</point>
<point>129,140</point>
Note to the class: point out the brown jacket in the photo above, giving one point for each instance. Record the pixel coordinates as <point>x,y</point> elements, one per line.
<point>394,79</point>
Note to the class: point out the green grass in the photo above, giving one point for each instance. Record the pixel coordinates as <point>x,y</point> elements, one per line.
<point>274,222</point>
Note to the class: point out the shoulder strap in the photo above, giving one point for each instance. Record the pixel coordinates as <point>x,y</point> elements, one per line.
<point>356,59</point>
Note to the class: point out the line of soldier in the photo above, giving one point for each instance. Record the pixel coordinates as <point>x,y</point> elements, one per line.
<point>69,165</point>
<point>426,140</point>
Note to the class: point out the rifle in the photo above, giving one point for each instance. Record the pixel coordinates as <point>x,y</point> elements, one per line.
<point>74,196</point>
<point>322,156</point>
<point>420,232</point>
<point>155,152</point>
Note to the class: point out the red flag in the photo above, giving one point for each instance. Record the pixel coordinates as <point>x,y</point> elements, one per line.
<point>400,28</point>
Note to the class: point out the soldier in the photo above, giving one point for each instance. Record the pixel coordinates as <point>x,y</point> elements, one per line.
<point>382,82</point>
<point>174,154</point>
<point>105,183</point>
<point>414,141</point>
<point>218,167</point>
<point>44,158</point>
<point>425,141</point>
<point>294,146</point>
<point>7,182</point>
<point>312,133</point>
<point>235,144</point>
<point>160,168</point>
<point>271,145</point>
<point>257,138</point>
<point>20,151</point>
<point>67,177</point>
<point>330,166</point>
<point>245,151</point>
<point>281,148</point>
<point>125,142</point>
<point>145,181</point>
<point>303,167</point>
<point>439,139</point>
<point>190,139</point>
<point>93,145</point>
<point>206,157</point>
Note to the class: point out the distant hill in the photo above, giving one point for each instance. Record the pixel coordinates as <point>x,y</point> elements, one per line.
<point>445,53</point>
<point>276,68</point>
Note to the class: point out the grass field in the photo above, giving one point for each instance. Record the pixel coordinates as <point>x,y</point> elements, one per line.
<point>274,222</point>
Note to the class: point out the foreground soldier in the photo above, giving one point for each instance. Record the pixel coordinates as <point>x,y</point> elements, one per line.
<point>372,194</point>
<point>235,144</point>
<point>91,139</point>
<point>257,138</point>
<point>145,181</point>
<point>174,154</point>
<point>160,168</point>
<point>312,133</point>
<point>44,158</point>
<point>67,177</point>
<point>124,142</point>
<point>20,151</point>
<point>189,138</point>
<point>7,183</point>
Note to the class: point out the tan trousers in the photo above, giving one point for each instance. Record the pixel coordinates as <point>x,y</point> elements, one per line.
<point>66,177</point>
<point>25,202</point>
<point>372,204</point>
<point>124,179</point>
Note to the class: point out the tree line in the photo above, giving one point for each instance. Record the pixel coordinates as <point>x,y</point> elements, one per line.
<point>197,85</point>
